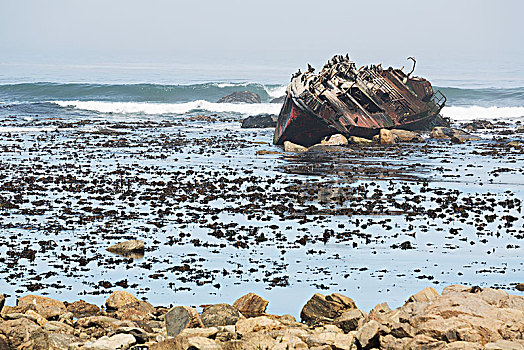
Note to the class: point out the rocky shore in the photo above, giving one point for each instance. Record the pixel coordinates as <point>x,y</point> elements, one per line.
<point>460,318</point>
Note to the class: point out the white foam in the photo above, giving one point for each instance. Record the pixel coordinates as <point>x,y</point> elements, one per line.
<point>17,129</point>
<point>276,91</point>
<point>171,108</point>
<point>224,85</point>
<point>476,112</point>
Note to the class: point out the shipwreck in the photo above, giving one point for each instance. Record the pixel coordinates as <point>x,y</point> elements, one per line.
<point>344,99</point>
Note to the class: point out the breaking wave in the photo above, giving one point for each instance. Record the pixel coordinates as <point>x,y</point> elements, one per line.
<point>171,108</point>
<point>477,112</point>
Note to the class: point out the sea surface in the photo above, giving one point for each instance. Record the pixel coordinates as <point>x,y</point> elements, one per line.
<point>92,156</point>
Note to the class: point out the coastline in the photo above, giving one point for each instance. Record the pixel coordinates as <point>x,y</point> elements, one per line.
<point>460,318</point>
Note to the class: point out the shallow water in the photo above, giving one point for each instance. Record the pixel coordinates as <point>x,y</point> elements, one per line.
<point>221,220</point>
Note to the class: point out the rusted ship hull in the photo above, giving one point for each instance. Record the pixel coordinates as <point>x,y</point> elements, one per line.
<point>342,99</point>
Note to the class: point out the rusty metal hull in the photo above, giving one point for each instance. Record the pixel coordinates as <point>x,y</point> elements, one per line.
<point>350,101</point>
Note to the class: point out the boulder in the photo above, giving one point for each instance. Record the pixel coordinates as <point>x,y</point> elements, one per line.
<point>334,140</point>
<point>220,315</point>
<point>287,342</point>
<point>519,287</point>
<point>279,99</point>
<point>504,345</point>
<point>406,136</point>
<point>424,342</point>
<point>117,341</point>
<point>292,147</point>
<point>336,340</point>
<point>4,344</point>
<point>440,132</point>
<point>180,318</point>
<point>254,341</point>
<point>103,322</point>
<point>118,299</point>
<point>427,295</point>
<point>256,324</point>
<point>202,343</point>
<point>208,332</point>
<point>140,335</point>
<point>241,97</point>
<point>81,309</point>
<point>128,247</point>
<point>46,307</point>
<point>368,335</point>
<point>36,317</point>
<point>479,124</point>
<point>386,137</point>
<point>260,121</point>
<point>251,305</point>
<point>60,341</point>
<point>349,320</point>
<point>135,311</point>
<point>19,331</point>
<point>325,309</point>
<point>58,327</point>
<point>360,140</point>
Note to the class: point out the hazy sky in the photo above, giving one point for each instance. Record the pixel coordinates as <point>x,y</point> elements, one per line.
<point>286,33</point>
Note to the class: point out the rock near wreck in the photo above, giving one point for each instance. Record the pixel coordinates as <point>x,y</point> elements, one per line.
<point>241,97</point>
<point>259,121</point>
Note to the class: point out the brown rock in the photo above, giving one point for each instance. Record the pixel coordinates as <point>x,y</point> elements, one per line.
<point>251,305</point>
<point>505,345</point>
<point>386,137</point>
<point>19,331</point>
<point>101,325</point>
<point>2,301</point>
<point>81,309</point>
<point>406,136</point>
<point>519,287</point>
<point>360,140</point>
<point>4,345</point>
<point>463,345</point>
<point>220,315</point>
<point>60,341</point>
<point>256,324</point>
<point>58,327</point>
<point>335,340</point>
<point>368,335</point>
<point>118,299</point>
<point>349,320</point>
<point>427,295</point>
<point>334,140</point>
<point>293,147</point>
<point>46,307</point>
<point>180,318</point>
<point>128,248</point>
<point>424,342</point>
<point>135,311</point>
<point>322,308</point>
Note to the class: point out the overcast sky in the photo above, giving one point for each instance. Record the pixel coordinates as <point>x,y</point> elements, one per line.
<point>267,32</point>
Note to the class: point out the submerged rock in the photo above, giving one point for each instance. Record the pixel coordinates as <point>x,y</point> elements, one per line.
<point>128,248</point>
<point>260,121</point>
<point>241,97</point>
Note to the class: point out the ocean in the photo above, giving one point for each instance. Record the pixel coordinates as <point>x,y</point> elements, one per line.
<point>93,155</point>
